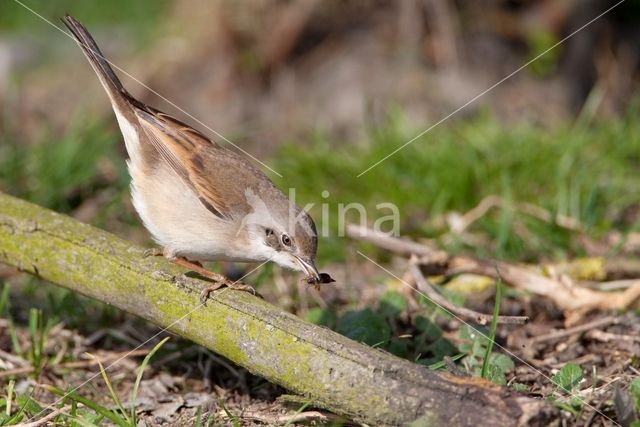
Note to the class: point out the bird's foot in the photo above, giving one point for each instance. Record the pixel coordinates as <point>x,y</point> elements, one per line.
<point>152,252</point>
<point>239,286</point>
<point>220,279</point>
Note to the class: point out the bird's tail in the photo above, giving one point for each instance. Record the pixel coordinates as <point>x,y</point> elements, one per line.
<point>117,93</point>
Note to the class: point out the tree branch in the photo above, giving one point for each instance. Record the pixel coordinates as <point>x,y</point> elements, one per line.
<point>566,297</point>
<point>332,371</point>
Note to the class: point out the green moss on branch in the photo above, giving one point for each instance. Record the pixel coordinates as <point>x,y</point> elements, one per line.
<point>334,372</point>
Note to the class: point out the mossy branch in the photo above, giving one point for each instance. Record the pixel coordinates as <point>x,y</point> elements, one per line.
<point>332,371</point>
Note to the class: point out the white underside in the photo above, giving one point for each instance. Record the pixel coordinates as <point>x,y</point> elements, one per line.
<point>180,223</point>
<point>175,217</point>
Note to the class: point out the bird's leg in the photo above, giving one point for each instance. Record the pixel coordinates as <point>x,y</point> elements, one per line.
<point>220,279</point>
<point>196,266</point>
<point>172,258</point>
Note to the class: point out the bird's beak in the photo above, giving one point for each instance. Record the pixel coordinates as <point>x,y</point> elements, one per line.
<point>308,266</point>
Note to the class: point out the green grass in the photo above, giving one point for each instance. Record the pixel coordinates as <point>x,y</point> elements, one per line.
<point>567,381</point>
<point>139,17</point>
<point>84,164</point>
<point>484,372</point>
<point>59,172</point>
<point>587,172</point>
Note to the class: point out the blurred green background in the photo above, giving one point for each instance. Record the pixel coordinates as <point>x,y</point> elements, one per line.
<point>322,90</point>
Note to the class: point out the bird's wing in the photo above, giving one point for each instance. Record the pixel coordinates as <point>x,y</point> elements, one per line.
<point>185,150</point>
<point>204,166</point>
<point>220,178</point>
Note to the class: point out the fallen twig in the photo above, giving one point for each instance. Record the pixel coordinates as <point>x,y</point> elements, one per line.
<point>394,244</point>
<point>298,417</point>
<point>76,364</point>
<point>481,318</point>
<point>24,370</point>
<point>565,296</point>
<point>459,223</point>
<point>608,336</point>
<point>563,333</point>
<point>45,420</point>
<point>12,358</point>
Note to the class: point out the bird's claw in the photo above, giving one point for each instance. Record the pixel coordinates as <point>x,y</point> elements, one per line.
<point>152,252</point>
<point>238,286</point>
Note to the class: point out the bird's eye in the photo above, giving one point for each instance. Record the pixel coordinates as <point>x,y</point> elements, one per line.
<point>286,240</point>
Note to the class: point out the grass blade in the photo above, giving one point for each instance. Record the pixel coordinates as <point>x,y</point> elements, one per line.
<point>494,325</point>
<point>234,420</point>
<point>105,412</point>
<point>112,392</point>
<point>198,421</point>
<point>441,364</point>
<point>16,348</point>
<point>4,300</point>
<point>144,364</point>
<point>302,408</point>
<point>12,383</point>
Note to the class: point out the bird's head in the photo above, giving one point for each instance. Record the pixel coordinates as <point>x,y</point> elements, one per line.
<point>294,247</point>
<point>284,234</point>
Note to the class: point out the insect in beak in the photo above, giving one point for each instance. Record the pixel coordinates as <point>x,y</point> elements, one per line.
<point>308,267</point>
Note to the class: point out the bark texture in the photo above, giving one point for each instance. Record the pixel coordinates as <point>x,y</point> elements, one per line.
<point>341,375</point>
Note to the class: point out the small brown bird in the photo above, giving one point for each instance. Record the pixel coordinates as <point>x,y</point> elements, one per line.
<point>201,201</point>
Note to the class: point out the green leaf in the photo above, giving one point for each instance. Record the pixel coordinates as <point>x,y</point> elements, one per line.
<point>573,405</point>
<point>322,316</point>
<point>11,420</point>
<point>474,341</point>
<point>427,327</point>
<point>568,377</point>
<point>634,390</point>
<point>234,419</point>
<point>495,374</point>
<point>398,347</point>
<point>442,347</point>
<point>392,304</point>
<point>519,387</point>
<point>87,420</point>
<point>502,361</point>
<point>364,326</point>
<point>300,409</point>
<point>455,298</point>
<point>29,405</point>
<point>499,364</point>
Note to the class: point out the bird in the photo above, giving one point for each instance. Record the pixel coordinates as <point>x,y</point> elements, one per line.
<point>199,200</point>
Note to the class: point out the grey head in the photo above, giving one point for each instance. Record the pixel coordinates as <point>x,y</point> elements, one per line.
<point>280,230</point>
